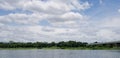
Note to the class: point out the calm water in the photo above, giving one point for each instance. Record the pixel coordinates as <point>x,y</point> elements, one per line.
<point>59,53</point>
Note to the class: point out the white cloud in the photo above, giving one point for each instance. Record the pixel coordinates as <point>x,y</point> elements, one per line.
<point>105,33</point>
<point>67,22</point>
<point>50,6</point>
<point>119,10</point>
<point>69,16</point>
<point>72,16</point>
<point>101,1</point>
<point>10,4</point>
<point>111,22</point>
<point>6,6</point>
<point>18,18</point>
<point>108,35</point>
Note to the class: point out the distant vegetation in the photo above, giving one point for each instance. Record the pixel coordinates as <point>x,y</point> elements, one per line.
<point>53,45</point>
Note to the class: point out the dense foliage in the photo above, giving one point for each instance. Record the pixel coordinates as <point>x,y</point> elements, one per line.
<point>61,45</point>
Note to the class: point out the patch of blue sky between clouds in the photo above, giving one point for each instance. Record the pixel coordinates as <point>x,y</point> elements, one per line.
<point>44,23</point>
<point>5,12</point>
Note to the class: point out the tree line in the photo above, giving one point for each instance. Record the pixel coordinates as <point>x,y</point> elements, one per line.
<point>61,45</point>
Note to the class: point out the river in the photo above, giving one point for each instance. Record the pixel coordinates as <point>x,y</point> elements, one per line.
<point>39,53</point>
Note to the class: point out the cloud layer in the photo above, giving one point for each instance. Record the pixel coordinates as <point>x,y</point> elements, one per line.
<point>53,20</point>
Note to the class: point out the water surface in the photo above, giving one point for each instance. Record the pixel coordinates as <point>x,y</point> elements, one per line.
<point>37,53</point>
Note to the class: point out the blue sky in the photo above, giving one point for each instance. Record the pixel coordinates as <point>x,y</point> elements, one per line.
<point>103,9</point>
<point>59,20</point>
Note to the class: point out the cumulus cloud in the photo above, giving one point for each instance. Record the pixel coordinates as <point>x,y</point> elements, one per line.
<point>50,6</point>
<point>21,18</point>
<point>20,26</point>
<point>64,16</point>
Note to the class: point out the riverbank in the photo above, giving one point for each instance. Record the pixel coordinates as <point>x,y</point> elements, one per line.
<point>83,48</point>
<point>53,48</point>
<point>17,48</point>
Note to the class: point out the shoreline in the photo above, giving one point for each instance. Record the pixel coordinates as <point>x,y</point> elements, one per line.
<point>54,48</point>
